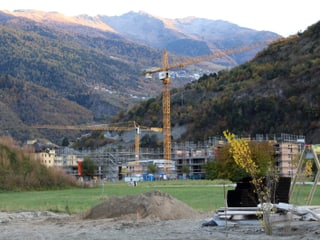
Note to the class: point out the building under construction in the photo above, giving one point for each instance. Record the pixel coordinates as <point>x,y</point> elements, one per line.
<point>187,159</point>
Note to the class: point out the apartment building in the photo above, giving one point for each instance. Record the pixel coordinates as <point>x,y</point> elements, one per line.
<point>46,157</point>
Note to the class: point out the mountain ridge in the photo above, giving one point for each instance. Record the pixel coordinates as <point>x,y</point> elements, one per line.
<point>136,26</point>
<point>205,32</point>
<point>49,17</point>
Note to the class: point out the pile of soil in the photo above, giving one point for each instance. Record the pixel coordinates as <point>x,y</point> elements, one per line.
<point>153,205</point>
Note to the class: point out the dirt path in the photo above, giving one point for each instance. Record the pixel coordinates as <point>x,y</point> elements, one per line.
<point>149,216</point>
<point>46,225</point>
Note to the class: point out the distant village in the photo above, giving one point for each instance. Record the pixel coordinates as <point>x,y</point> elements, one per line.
<point>178,74</point>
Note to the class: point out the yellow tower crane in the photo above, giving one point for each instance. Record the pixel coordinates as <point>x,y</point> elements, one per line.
<point>165,77</point>
<point>128,126</point>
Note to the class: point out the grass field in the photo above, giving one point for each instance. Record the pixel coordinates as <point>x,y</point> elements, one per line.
<point>199,194</point>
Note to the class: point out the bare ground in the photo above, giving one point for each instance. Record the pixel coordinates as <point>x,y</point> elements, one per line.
<point>154,215</point>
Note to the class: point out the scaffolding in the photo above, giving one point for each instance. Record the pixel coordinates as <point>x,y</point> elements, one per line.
<point>111,161</point>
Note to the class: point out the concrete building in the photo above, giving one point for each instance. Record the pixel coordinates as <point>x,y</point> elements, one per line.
<point>190,158</point>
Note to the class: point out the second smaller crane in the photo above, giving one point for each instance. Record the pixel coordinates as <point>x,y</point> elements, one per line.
<point>128,126</point>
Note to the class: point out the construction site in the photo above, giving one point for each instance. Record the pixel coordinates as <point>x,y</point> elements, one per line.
<point>175,160</point>
<point>187,159</point>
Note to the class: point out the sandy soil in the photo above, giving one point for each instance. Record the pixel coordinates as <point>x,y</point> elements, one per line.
<point>151,219</point>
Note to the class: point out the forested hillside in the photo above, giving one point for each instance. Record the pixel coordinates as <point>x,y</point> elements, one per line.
<point>89,70</point>
<point>24,104</point>
<point>277,92</point>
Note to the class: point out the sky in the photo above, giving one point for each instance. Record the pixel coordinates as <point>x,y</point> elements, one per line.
<point>285,17</point>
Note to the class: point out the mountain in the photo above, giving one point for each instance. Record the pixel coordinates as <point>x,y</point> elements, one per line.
<point>90,64</point>
<point>100,71</point>
<point>276,92</point>
<point>188,36</point>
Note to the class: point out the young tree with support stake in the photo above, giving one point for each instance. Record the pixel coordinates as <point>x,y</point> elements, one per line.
<point>241,153</point>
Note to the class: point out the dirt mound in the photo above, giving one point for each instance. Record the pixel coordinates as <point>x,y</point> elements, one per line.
<point>153,205</point>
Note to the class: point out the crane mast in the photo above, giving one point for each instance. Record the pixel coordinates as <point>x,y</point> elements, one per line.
<point>166,107</point>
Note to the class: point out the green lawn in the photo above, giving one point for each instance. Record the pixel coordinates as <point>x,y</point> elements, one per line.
<point>200,195</point>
